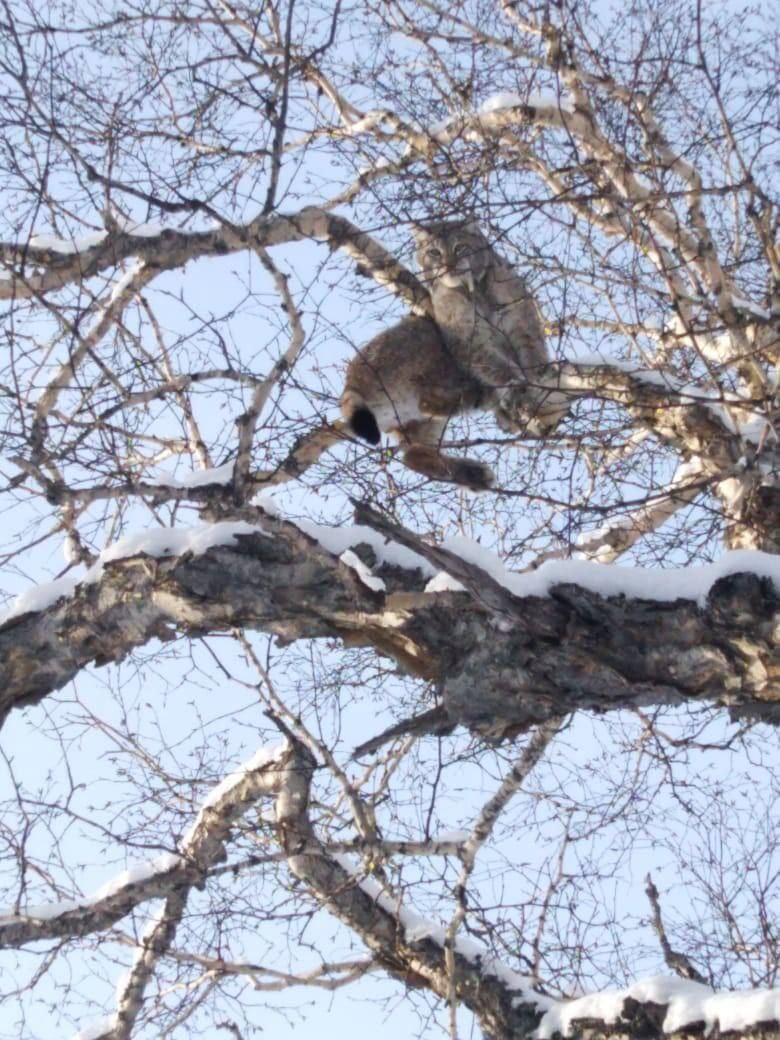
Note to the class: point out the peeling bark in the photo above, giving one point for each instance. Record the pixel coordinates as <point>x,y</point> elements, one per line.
<point>502,1011</point>
<point>37,270</point>
<point>501,662</point>
<point>504,1004</point>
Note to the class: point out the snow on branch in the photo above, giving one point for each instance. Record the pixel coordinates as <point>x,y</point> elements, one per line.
<point>505,1002</point>
<point>423,952</point>
<point>174,541</point>
<point>567,636</point>
<point>170,875</point>
<point>111,902</point>
<point>675,1006</point>
<point>406,945</point>
<point>461,557</point>
<point>46,263</point>
<point>687,416</point>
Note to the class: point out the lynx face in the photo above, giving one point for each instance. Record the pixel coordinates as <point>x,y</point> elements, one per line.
<point>455,255</point>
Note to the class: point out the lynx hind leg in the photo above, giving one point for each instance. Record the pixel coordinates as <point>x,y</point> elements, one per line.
<point>421,446</point>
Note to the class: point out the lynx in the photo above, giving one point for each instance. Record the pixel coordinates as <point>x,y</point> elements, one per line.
<point>483,352</point>
<point>406,382</point>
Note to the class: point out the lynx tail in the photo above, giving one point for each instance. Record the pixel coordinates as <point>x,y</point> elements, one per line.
<point>363,423</point>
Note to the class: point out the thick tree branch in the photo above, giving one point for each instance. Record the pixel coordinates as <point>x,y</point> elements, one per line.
<point>35,268</point>
<point>421,953</point>
<point>500,665</point>
<point>169,876</point>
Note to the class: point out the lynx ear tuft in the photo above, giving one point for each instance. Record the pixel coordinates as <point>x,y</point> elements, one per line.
<point>473,227</point>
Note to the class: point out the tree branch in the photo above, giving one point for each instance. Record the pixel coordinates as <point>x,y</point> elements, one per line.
<point>500,666</point>
<point>35,269</point>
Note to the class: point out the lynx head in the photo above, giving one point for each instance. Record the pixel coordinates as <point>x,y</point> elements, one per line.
<point>453,253</point>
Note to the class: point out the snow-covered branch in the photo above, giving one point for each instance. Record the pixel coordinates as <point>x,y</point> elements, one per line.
<point>504,1002</point>
<point>169,876</point>
<point>527,642</point>
<point>46,263</point>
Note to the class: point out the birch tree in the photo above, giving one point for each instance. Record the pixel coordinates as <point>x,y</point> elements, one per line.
<point>282,716</point>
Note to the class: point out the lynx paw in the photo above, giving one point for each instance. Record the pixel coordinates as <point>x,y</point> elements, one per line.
<point>506,422</point>
<point>535,412</point>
